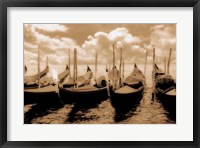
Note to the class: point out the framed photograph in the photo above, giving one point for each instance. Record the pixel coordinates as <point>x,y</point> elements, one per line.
<point>105,73</point>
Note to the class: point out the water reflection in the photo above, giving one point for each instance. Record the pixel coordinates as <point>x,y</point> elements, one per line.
<point>79,114</point>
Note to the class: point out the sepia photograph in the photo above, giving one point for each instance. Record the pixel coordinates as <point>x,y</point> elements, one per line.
<point>99,73</point>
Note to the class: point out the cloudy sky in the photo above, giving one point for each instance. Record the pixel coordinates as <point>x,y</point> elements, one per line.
<point>55,40</point>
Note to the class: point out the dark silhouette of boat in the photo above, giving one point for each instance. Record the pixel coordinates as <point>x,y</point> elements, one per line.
<point>130,93</point>
<point>83,93</point>
<point>47,92</point>
<point>165,88</point>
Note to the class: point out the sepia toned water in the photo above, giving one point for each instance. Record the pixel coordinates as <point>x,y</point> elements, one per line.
<point>148,111</point>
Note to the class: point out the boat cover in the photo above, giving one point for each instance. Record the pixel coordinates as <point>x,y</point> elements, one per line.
<point>81,80</point>
<point>126,90</point>
<point>46,89</point>
<point>83,88</point>
<point>172,92</point>
<point>165,81</point>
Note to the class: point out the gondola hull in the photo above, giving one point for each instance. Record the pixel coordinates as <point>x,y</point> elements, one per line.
<point>45,96</point>
<point>83,97</point>
<point>165,89</point>
<point>129,95</point>
<point>168,101</point>
<point>125,102</point>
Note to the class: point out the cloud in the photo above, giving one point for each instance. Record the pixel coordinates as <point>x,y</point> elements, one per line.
<point>162,38</point>
<point>55,48</point>
<point>49,27</point>
<point>53,59</point>
<point>30,47</point>
<point>123,35</point>
<point>30,58</point>
<point>102,42</point>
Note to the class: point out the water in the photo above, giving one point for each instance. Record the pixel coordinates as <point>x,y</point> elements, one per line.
<point>148,111</point>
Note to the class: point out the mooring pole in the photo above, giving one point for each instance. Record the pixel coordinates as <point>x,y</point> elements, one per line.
<point>69,62</point>
<point>169,59</point>
<point>96,66</point>
<point>114,66</point>
<point>145,62</point>
<point>38,66</point>
<point>74,74</point>
<point>165,65</point>
<point>120,67</point>
<point>154,71</point>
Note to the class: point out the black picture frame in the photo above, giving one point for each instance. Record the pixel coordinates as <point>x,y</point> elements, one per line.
<point>4,4</point>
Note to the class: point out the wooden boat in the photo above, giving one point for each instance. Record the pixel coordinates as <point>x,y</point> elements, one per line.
<point>130,93</point>
<point>47,92</point>
<point>165,88</point>
<point>81,80</point>
<point>83,93</point>
<point>31,81</point>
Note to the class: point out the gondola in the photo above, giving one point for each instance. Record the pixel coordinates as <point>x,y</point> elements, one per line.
<point>30,81</point>
<point>47,92</point>
<point>130,93</point>
<point>165,88</point>
<point>83,93</point>
<point>81,80</point>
